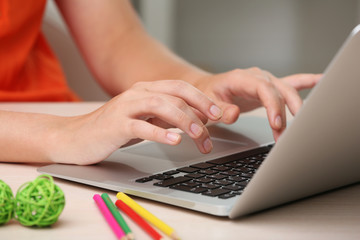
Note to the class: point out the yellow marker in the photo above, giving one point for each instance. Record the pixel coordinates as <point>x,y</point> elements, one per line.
<point>147,215</point>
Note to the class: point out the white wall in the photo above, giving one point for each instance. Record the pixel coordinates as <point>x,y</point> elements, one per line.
<point>159,18</point>
<point>283,36</point>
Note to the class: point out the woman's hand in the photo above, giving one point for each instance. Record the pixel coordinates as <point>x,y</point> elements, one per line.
<point>244,90</point>
<point>144,111</point>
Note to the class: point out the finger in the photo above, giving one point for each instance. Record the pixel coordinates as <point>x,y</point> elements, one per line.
<point>163,124</point>
<point>204,146</point>
<point>302,81</point>
<point>257,86</point>
<point>201,116</point>
<point>277,134</point>
<point>290,95</point>
<point>179,115</point>
<point>191,95</point>
<point>274,105</point>
<point>144,130</point>
<point>271,98</point>
<point>231,112</point>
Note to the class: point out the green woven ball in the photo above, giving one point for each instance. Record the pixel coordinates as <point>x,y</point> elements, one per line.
<point>39,203</point>
<point>6,203</point>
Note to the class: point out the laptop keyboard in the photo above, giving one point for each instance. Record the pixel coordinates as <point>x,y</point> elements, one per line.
<point>224,177</point>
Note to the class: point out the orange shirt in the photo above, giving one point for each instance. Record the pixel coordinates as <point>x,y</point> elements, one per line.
<point>29,71</point>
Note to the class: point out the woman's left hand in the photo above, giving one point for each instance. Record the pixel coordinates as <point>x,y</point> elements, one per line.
<point>242,90</point>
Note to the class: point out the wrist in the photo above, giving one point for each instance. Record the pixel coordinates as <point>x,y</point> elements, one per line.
<point>194,76</point>
<point>62,140</point>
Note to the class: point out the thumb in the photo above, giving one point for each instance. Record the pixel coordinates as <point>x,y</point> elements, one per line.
<point>231,112</point>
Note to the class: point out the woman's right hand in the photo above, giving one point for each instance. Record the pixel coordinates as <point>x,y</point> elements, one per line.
<point>144,111</point>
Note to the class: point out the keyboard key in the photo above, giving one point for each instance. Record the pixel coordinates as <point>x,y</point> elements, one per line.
<point>238,192</point>
<point>216,192</point>
<point>230,173</point>
<point>243,169</point>
<point>210,185</point>
<point>189,189</point>
<point>217,176</point>
<point>260,157</point>
<point>254,166</point>
<point>172,181</point>
<point>202,165</point>
<point>237,178</point>
<point>160,176</point>
<point>204,180</point>
<point>191,184</point>
<point>144,180</point>
<point>227,195</point>
<point>208,171</point>
<point>171,172</point>
<point>247,161</point>
<point>220,168</point>
<point>234,164</point>
<point>234,187</point>
<point>188,169</point>
<point>247,175</point>
<point>221,161</point>
<point>195,175</point>
<point>243,183</point>
<point>238,156</point>
<point>223,182</point>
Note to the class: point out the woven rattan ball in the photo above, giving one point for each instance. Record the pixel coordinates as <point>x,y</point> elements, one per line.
<point>6,203</point>
<point>39,203</point>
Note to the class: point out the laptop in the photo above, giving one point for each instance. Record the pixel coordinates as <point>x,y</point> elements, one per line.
<point>246,172</point>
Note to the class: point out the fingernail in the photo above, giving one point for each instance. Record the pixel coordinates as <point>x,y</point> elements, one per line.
<point>207,144</point>
<point>196,129</point>
<point>278,122</point>
<point>173,137</point>
<point>215,111</point>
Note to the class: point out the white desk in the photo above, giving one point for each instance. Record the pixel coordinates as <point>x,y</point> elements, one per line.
<point>334,215</point>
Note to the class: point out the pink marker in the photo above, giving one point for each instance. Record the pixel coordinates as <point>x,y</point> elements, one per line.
<point>109,217</point>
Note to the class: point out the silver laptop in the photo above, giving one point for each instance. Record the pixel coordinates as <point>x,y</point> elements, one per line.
<point>246,173</point>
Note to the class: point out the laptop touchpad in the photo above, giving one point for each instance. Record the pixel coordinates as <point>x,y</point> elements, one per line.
<point>186,150</point>
<point>226,140</point>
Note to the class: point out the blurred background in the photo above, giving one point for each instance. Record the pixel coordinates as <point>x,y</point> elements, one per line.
<point>282,36</point>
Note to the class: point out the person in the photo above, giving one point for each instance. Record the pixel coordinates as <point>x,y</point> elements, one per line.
<point>153,89</point>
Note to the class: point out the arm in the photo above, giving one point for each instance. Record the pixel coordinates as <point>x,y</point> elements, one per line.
<point>116,47</point>
<point>120,53</point>
<point>24,137</point>
<point>90,138</point>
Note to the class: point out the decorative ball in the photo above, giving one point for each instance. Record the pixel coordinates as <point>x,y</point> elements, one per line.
<point>6,203</point>
<point>39,203</point>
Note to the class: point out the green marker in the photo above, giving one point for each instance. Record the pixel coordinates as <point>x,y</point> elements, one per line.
<point>114,211</point>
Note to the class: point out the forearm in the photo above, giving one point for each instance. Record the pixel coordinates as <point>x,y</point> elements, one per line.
<point>26,137</point>
<point>44,138</point>
<point>144,111</point>
<point>117,49</point>
<point>144,59</point>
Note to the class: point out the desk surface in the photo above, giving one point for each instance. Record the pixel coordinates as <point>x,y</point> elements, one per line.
<point>334,215</point>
